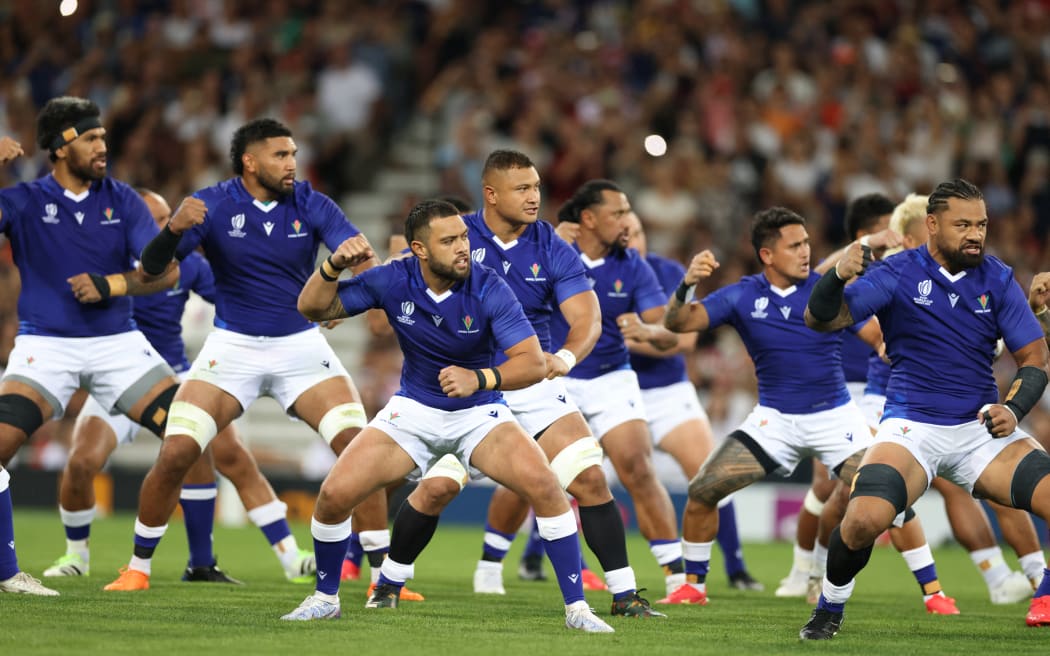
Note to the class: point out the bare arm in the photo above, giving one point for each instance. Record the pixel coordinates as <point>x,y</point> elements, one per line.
<point>686,343</point>
<point>681,315</point>
<point>1038,294</point>
<point>879,243</point>
<point>584,316</point>
<point>93,288</point>
<point>647,329</point>
<point>319,301</point>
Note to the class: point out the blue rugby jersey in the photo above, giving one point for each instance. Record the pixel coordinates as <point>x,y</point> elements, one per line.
<point>159,316</point>
<point>55,235</point>
<point>540,268</point>
<point>464,326</point>
<point>661,372</point>
<point>941,331</point>
<point>799,370</point>
<point>624,283</point>
<point>262,254</point>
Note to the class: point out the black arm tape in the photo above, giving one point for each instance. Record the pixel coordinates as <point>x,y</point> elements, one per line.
<point>882,481</point>
<point>159,252</point>
<point>499,378</point>
<point>682,292</point>
<point>1025,391</point>
<point>1033,468</point>
<point>155,414</point>
<point>481,379</point>
<point>18,411</point>
<point>101,284</point>
<point>825,300</point>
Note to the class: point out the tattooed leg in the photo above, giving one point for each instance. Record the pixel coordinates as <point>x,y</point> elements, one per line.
<point>731,467</point>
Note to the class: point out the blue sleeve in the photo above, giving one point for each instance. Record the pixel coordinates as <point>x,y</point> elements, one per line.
<point>873,291</point>
<point>856,328</point>
<point>204,282</point>
<point>11,202</point>
<point>570,278</point>
<point>365,291</point>
<point>647,290</point>
<point>720,305</point>
<point>332,225</point>
<point>141,228</point>
<point>507,319</point>
<point>669,275</point>
<point>1016,323</point>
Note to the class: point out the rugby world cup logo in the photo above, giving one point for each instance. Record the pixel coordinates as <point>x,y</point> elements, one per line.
<point>478,255</point>
<point>51,213</point>
<point>761,304</point>
<point>407,308</point>
<point>924,288</point>
<point>237,223</point>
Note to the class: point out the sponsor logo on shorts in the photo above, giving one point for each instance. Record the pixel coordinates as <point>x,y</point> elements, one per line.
<point>212,363</point>
<point>30,360</point>
<point>763,423</point>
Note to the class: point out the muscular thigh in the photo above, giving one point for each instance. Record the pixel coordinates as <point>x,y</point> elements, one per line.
<point>315,402</point>
<point>732,466</point>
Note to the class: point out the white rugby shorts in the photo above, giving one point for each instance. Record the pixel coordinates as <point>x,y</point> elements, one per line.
<point>608,400</point>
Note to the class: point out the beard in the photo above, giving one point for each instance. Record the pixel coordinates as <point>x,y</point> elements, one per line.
<point>448,272</point>
<point>958,260</point>
<point>274,185</point>
<point>84,170</point>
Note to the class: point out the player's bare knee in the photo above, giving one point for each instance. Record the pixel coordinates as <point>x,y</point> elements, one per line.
<point>82,466</point>
<point>590,487</point>
<point>432,495</point>
<point>1029,473</point>
<point>703,490</point>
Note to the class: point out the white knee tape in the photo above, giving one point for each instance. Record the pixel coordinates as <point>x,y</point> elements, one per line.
<point>187,419</point>
<point>5,479</point>
<point>449,467</point>
<point>576,457</point>
<point>812,504</point>
<point>554,528</point>
<point>341,417</point>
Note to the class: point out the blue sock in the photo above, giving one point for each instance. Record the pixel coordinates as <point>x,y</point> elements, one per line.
<point>198,511</point>
<point>564,554</point>
<point>534,545</point>
<point>354,552</point>
<point>276,531</point>
<point>497,544</point>
<point>828,606</point>
<point>385,581</point>
<point>1044,587</point>
<point>8,558</point>
<point>925,576</point>
<point>329,557</point>
<point>729,540</point>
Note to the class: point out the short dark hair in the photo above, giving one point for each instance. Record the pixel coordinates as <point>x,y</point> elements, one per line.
<point>589,194</point>
<point>260,129</point>
<point>504,160</point>
<point>59,114</point>
<point>957,188</point>
<point>455,201</point>
<point>765,227</point>
<point>417,224</point>
<point>865,211</point>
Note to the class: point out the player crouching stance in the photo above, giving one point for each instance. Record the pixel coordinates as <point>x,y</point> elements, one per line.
<point>449,320</point>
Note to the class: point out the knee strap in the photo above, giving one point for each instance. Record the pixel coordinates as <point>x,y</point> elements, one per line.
<point>1033,468</point>
<point>812,504</point>
<point>20,412</point>
<point>155,414</point>
<point>882,481</point>
<point>187,419</point>
<point>449,467</point>
<point>573,459</point>
<point>340,418</point>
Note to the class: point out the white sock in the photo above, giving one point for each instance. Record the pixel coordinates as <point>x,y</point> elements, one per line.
<point>140,564</point>
<point>990,564</point>
<point>803,563</point>
<point>287,551</point>
<point>837,594</point>
<point>820,560</point>
<point>324,596</point>
<point>1033,565</point>
<point>80,548</point>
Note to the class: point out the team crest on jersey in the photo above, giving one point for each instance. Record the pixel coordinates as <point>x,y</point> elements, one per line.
<point>468,326</point>
<point>617,290</point>
<point>478,255</point>
<point>407,308</point>
<point>761,304</point>
<point>924,287</point>
<point>50,213</point>
<point>110,219</point>
<point>535,271</point>
<point>983,300</point>
<point>297,226</point>
<point>237,223</point>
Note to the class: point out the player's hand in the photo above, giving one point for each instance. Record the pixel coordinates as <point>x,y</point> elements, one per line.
<point>352,252</point>
<point>853,262</point>
<point>555,366</point>
<point>331,323</point>
<point>84,288</point>
<point>458,382</point>
<point>632,327</point>
<point>998,419</point>
<point>9,150</point>
<point>191,213</point>
<point>701,267</point>
<point>568,231</point>
<point>1039,292</point>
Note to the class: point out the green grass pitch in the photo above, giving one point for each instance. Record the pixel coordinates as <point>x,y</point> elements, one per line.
<point>886,615</point>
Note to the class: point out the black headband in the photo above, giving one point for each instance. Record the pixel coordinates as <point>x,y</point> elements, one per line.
<point>74,131</point>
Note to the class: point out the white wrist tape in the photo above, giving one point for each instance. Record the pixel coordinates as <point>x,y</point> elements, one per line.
<point>567,357</point>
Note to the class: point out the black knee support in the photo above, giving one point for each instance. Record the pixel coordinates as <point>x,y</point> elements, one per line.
<point>909,514</point>
<point>155,414</point>
<point>881,481</point>
<point>1033,468</point>
<point>20,412</point>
